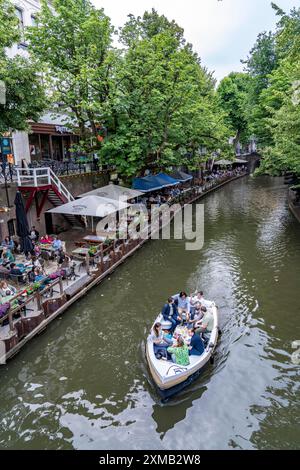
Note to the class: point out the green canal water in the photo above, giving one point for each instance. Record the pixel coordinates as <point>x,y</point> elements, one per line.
<point>84,382</point>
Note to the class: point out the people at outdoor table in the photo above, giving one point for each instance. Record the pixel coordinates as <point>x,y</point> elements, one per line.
<point>38,275</point>
<point>170,313</point>
<point>6,290</point>
<point>8,243</point>
<point>47,240</point>
<point>7,257</point>
<point>57,244</point>
<point>34,234</point>
<point>16,271</point>
<point>36,262</point>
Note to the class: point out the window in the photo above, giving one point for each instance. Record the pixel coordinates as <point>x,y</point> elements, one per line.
<point>33,20</point>
<point>19,13</point>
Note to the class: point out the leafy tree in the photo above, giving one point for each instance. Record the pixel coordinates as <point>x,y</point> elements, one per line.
<point>261,62</point>
<point>9,27</point>
<point>280,100</point>
<point>74,46</point>
<point>233,96</point>
<point>164,107</point>
<point>24,98</point>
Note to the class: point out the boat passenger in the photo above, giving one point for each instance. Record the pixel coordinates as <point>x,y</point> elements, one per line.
<point>200,298</point>
<point>196,345</point>
<point>198,314</point>
<point>205,326</point>
<point>170,313</point>
<point>180,353</point>
<point>160,342</point>
<point>184,306</point>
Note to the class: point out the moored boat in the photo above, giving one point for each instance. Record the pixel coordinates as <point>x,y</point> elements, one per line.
<point>171,378</point>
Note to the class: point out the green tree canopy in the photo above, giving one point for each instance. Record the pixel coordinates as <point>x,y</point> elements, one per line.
<point>165,107</point>
<point>24,93</point>
<point>233,96</point>
<point>74,47</point>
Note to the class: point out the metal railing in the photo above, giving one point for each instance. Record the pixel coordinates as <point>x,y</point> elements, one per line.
<point>36,177</point>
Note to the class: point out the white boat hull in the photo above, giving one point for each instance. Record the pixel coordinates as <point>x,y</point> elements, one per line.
<point>169,376</point>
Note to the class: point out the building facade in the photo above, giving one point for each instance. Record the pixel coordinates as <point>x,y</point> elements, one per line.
<point>49,138</point>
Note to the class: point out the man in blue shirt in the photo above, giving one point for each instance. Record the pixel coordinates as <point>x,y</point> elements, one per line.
<point>170,313</point>
<point>196,346</point>
<point>184,306</point>
<point>57,245</point>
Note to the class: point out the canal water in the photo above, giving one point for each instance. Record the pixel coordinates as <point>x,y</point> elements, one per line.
<point>84,382</point>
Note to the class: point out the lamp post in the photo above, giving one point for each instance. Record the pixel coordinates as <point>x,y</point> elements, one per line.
<point>3,164</point>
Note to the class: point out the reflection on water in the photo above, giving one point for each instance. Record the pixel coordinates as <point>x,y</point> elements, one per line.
<point>84,383</point>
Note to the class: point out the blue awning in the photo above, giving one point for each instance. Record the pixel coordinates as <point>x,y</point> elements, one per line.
<point>167,180</point>
<point>181,176</point>
<point>153,182</point>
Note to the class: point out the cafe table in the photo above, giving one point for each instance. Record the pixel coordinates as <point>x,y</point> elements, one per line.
<point>81,251</point>
<point>95,238</point>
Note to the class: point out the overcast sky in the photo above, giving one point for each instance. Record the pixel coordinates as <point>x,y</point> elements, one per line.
<point>222,32</point>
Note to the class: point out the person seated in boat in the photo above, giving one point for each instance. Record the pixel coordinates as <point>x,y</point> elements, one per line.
<point>180,353</point>
<point>199,297</point>
<point>168,335</point>
<point>196,347</point>
<point>205,326</point>
<point>198,314</point>
<point>160,342</point>
<point>171,314</point>
<point>6,290</point>
<point>183,304</point>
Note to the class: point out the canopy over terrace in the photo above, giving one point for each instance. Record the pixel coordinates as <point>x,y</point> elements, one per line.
<point>92,206</point>
<point>154,182</point>
<point>181,176</point>
<point>230,162</point>
<point>115,192</point>
<point>224,162</point>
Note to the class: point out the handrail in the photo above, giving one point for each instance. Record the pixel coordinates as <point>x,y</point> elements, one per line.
<point>31,298</point>
<point>35,175</point>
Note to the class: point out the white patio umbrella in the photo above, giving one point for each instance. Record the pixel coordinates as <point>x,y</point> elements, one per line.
<point>113,191</point>
<point>224,162</point>
<point>92,206</point>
